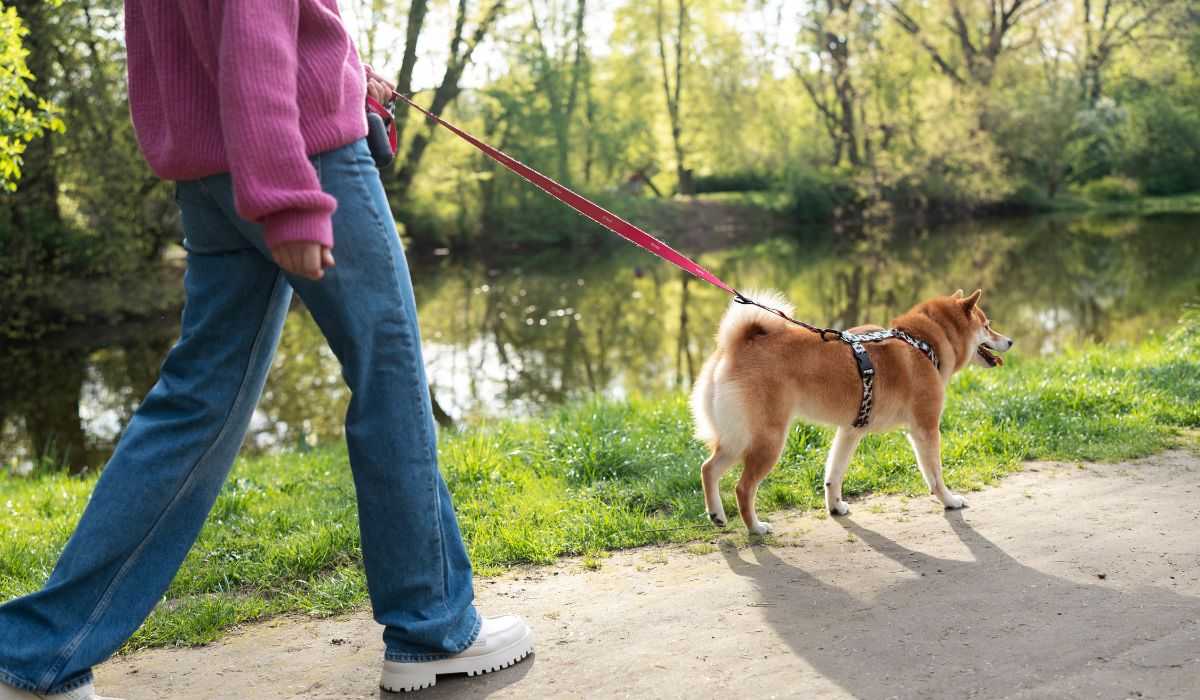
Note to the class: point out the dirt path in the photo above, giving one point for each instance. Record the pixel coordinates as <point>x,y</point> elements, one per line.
<point>1061,582</point>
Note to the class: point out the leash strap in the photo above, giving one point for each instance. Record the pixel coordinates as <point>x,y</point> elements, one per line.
<point>645,241</point>
<point>607,219</point>
<point>588,208</point>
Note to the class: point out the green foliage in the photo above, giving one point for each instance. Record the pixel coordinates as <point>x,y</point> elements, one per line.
<point>816,197</point>
<point>603,475</point>
<point>23,115</point>
<point>851,112</point>
<point>1111,189</point>
<point>740,181</point>
<point>82,237</point>
<point>1164,146</point>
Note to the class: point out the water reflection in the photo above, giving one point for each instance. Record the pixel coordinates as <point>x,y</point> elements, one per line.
<point>501,339</point>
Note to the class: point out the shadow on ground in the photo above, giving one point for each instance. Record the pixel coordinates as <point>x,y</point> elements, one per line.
<point>989,627</point>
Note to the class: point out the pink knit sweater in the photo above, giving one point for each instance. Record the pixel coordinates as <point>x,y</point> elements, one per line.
<point>249,87</point>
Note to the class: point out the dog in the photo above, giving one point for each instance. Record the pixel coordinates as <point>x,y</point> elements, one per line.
<point>766,372</point>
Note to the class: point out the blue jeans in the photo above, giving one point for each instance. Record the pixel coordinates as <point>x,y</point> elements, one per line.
<point>157,490</point>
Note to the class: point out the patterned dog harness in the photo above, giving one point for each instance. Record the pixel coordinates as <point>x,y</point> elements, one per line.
<point>866,370</point>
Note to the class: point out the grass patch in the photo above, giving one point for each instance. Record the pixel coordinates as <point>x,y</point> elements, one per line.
<point>1139,205</point>
<point>599,476</point>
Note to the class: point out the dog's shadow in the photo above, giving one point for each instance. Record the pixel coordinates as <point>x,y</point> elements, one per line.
<point>988,627</point>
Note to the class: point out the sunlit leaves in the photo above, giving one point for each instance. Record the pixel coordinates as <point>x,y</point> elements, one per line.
<point>23,115</point>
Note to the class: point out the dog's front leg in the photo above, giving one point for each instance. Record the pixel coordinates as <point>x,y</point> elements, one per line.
<point>845,442</point>
<point>927,444</point>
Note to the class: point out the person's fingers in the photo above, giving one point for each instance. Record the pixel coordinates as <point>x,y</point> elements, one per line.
<point>303,259</point>
<point>311,262</point>
<point>372,75</point>
<point>283,258</point>
<point>376,90</point>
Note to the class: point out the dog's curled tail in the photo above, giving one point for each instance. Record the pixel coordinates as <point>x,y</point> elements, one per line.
<point>702,401</point>
<point>743,320</point>
<point>740,322</point>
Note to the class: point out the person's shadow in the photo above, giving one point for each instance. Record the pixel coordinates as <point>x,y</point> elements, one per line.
<point>991,627</point>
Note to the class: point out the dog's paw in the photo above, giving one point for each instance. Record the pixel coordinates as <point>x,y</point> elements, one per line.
<point>761,528</point>
<point>717,519</point>
<point>839,508</point>
<point>954,502</point>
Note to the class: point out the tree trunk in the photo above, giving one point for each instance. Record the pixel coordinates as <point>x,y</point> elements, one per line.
<point>446,92</point>
<point>416,20</point>
<point>674,93</point>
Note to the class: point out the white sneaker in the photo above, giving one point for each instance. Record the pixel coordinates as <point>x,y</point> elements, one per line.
<point>502,642</point>
<point>83,692</point>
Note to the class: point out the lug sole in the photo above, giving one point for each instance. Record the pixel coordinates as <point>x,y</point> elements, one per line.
<point>407,677</point>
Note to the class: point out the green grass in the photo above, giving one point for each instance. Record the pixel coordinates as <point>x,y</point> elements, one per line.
<point>598,476</point>
<point>772,200</point>
<point>1143,205</point>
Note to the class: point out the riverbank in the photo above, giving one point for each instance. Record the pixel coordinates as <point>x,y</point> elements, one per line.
<point>601,476</point>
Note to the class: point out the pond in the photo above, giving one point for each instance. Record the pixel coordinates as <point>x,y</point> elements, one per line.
<point>514,339</point>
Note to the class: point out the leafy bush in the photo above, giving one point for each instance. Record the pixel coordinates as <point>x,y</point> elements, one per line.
<point>1164,147</point>
<point>744,181</point>
<point>817,197</point>
<point>1111,189</point>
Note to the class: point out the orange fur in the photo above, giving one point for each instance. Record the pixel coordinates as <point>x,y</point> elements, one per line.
<point>766,372</point>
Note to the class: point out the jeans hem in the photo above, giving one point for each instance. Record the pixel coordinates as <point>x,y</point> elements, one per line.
<point>19,683</point>
<point>408,658</point>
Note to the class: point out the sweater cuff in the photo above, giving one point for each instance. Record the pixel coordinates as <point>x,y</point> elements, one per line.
<point>298,225</point>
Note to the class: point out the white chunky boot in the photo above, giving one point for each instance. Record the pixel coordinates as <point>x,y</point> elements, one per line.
<point>83,692</point>
<point>502,642</point>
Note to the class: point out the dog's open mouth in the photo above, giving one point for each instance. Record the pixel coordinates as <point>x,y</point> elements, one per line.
<point>991,358</point>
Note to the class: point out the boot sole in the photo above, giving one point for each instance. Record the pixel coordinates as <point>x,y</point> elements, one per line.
<point>406,677</point>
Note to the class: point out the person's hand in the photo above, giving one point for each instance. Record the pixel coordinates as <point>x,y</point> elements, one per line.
<point>303,258</point>
<point>378,87</point>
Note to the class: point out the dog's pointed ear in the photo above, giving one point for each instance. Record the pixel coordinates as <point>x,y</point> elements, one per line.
<point>970,302</point>
<point>958,294</point>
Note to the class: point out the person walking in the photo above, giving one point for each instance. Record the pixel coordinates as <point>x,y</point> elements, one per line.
<point>256,109</point>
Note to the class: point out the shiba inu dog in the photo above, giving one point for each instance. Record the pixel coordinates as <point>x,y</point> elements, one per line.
<point>767,372</point>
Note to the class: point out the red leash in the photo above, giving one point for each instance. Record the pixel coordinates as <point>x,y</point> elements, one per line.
<point>604,217</point>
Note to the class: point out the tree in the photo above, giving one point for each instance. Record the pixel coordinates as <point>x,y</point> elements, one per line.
<point>553,69</point>
<point>462,47</point>
<point>1110,25</point>
<point>830,83</point>
<point>412,30</point>
<point>38,191</point>
<point>23,115</point>
<point>980,41</point>
<point>673,91</point>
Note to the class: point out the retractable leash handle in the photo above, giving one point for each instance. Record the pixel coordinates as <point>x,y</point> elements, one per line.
<point>382,138</point>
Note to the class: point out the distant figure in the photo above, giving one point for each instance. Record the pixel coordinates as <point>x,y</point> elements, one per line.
<point>638,180</point>
<point>256,109</point>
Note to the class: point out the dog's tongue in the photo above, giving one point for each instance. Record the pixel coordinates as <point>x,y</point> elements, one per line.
<point>990,357</point>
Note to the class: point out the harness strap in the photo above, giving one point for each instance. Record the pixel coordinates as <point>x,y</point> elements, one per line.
<point>866,369</point>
